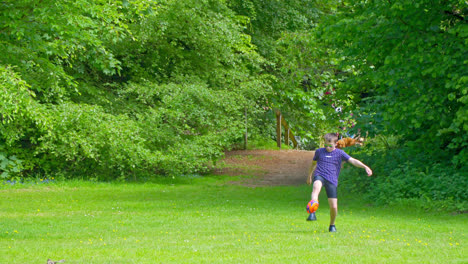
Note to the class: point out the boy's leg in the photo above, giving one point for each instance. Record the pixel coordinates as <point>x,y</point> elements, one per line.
<point>315,194</point>
<point>333,203</point>
<point>316,190</point>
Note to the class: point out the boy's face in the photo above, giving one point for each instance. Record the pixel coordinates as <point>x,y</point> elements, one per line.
<point>330,145</point>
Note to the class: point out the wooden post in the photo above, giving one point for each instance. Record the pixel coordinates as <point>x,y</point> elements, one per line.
<point>289,134</point>
<point>246,128</point>
<point>278,129</point>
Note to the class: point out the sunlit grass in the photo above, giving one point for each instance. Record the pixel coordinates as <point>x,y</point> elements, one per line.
<point>266,144</point>
<point>204,220</point>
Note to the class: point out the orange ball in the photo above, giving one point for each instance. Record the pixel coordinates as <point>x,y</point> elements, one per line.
<point>312,206</point>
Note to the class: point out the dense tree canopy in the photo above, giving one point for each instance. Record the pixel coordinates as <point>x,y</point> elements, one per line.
<point>284,33</point>
<point>115,89</point>
<point>410,60</point>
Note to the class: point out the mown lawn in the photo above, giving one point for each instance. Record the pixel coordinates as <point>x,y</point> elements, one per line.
<point>206,220</point>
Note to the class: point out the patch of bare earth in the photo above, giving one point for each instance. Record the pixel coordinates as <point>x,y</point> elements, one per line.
<point>267,167</point>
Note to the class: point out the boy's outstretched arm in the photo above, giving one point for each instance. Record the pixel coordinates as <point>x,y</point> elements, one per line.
<point>359,164</point>
<point>311,172</point>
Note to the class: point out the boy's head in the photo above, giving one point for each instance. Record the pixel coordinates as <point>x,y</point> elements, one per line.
<point>330,141</point>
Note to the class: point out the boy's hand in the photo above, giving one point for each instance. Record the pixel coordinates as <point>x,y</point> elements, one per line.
<point>369,171</point>
<point>311,172</point>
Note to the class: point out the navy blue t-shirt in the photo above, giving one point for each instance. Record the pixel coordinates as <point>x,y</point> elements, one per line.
<point>329,164</point>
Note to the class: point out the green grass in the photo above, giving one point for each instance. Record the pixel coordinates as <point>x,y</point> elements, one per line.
<point>206,220</point>
<point>266,144</point>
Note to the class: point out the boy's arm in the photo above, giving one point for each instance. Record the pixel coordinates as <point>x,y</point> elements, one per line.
<point>359,164</point>
<point>311,172</point>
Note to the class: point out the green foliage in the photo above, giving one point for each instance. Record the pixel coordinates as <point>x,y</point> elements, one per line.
<point>51,42</point>
<point>135,88</point>
<point>124,89</point>
<point>189,38</point>
<point>400,176</point>
<point>10,167</point>
<point>269,20</point>
<point>305,86</point>
<point>410,61</point>
<point>88,140</point>
<point>21,118</point>
<point>406,80</point>
<point>18,108</point>
<point>284,34</point>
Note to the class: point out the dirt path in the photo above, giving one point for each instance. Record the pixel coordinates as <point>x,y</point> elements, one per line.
<point>268,167</point>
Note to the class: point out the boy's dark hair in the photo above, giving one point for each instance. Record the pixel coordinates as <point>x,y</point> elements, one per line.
<point>331,137</point>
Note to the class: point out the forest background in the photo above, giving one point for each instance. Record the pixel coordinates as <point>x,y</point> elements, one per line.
<point>129,89</point>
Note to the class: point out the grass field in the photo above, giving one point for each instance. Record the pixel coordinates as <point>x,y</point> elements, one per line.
<point>206,220</point>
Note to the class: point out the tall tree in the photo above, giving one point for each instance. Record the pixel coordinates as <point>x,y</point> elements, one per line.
<point>410,59</point>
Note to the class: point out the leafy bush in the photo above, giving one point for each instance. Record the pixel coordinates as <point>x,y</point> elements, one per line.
<point>10,167</point>
<point>21,117</point>
<point>402,175</point>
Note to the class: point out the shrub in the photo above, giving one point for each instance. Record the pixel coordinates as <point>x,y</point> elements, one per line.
<point>401,174</point>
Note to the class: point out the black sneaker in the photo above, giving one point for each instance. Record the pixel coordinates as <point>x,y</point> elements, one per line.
<point>312,217</point>
<point>332,228</point>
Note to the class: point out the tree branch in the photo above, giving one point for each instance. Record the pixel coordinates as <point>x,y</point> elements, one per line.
<point>451,13</point>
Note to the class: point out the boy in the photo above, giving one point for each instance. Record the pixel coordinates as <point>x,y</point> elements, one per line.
<point>326,169</point>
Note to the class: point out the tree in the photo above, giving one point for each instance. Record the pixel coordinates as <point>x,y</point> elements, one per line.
<point>124,88</point>
<point>284,33</point>
<point>409,58</point>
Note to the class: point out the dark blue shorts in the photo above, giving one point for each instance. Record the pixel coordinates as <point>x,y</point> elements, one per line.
<point>329,187</point>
